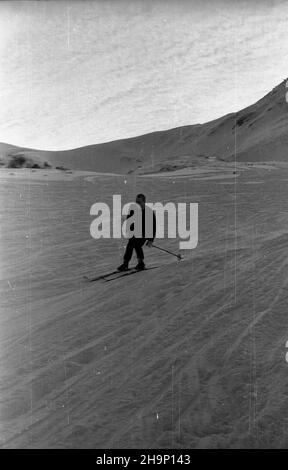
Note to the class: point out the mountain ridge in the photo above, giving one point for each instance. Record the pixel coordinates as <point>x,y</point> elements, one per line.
<point>255,133</point>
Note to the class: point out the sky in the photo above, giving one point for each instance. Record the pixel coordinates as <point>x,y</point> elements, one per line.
<point>75,73</point>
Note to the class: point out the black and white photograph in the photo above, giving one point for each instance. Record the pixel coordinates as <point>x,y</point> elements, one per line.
<point>136,136</point>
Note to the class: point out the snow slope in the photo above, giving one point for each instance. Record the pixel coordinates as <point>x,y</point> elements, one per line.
<point>188,355</point>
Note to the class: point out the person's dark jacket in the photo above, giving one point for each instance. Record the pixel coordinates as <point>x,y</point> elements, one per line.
<point>143,223</point>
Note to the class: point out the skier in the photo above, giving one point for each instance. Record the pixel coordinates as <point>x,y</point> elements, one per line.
<point>137,243</point>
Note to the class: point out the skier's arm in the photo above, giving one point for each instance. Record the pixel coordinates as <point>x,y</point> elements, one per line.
<point>154,226</point>
<point>151,240</point>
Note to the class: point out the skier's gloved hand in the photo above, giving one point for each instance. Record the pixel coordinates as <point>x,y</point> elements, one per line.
<point>149,243</point>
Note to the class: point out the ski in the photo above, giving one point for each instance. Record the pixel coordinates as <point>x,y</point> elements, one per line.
<point>103,276</point>
<point>131,271</point>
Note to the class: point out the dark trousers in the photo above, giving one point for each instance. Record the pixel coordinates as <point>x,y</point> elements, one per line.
<point>134,244</point>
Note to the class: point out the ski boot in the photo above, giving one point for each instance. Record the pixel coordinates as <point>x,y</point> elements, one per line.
<point>123,266</point>
<point>140,266</point>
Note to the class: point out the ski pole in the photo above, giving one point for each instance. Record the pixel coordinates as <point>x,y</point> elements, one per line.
<point>167,251</point>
